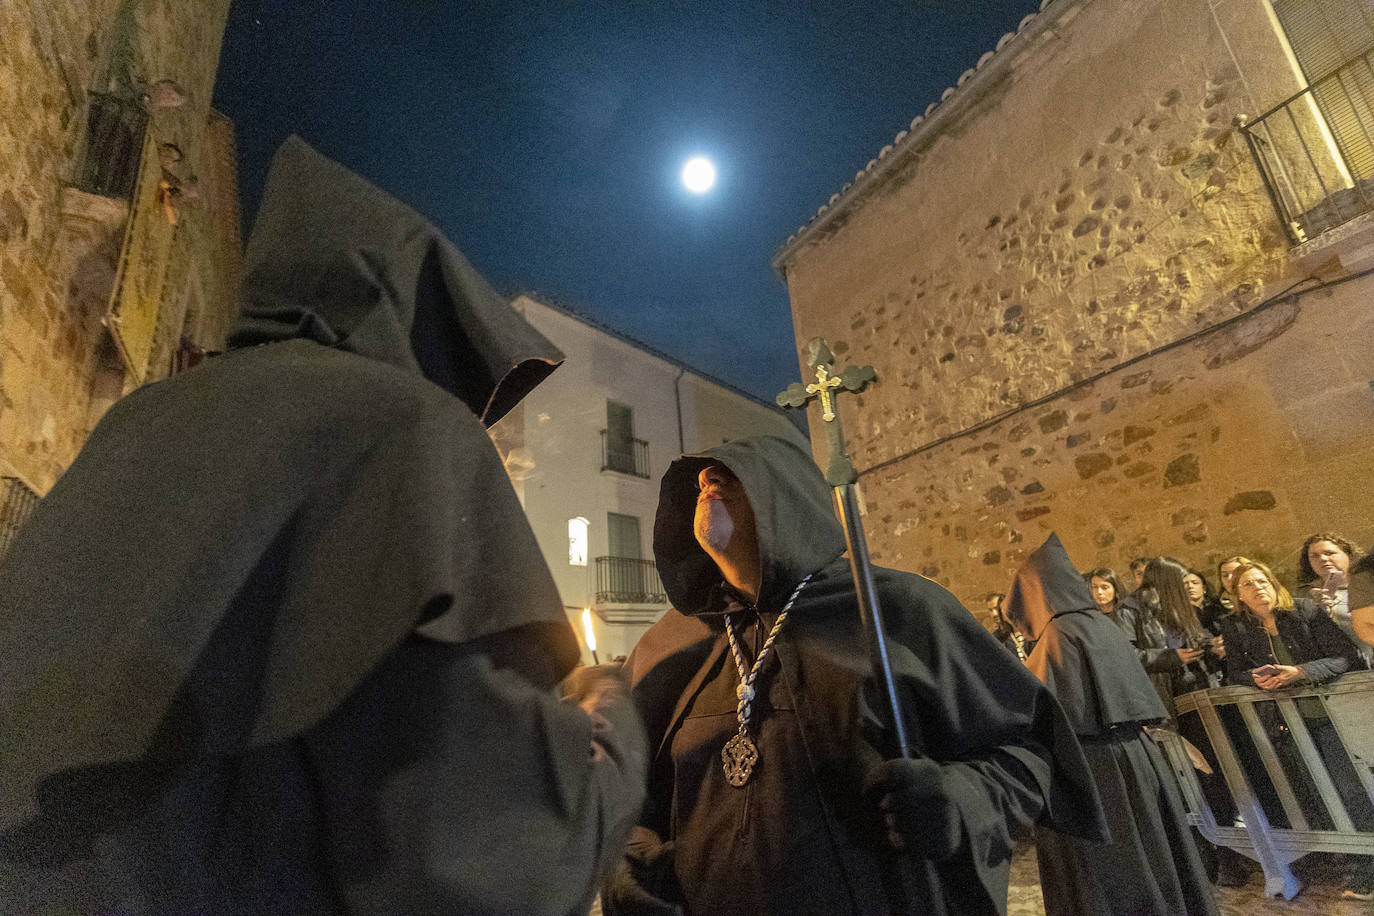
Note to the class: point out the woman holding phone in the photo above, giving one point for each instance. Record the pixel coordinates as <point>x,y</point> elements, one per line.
<point>1273,642</point>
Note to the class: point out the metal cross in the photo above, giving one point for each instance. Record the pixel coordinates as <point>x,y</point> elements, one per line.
<point>840,474</point>
<point>827,386</point>
<point>851,378</point>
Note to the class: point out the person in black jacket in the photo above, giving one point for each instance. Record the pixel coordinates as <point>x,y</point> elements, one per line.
<point>1273,642</point>
<point>1205,602</point>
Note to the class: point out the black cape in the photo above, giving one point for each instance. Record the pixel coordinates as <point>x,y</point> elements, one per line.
<point>800,837</point>
<point>1150,865</point>
<point>281,640</point>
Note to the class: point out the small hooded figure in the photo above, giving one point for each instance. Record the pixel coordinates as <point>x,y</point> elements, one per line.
<point>1150,865</point>
<point>770,787</point>
<point>281,640</point>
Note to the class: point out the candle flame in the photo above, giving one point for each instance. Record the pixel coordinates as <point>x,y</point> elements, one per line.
<point>587,628</point>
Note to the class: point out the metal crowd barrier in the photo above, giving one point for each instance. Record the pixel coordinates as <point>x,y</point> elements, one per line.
<point>1241,723</point>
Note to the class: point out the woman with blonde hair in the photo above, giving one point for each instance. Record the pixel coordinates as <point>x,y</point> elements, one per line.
<point>1273,641</point>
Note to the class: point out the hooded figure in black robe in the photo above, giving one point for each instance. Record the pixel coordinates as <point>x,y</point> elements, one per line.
<point>1150,864</point>
<point>281,640</point>
<point>802,835</point>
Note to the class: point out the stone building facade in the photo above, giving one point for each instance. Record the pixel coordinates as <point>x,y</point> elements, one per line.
<point>119,223</point>
<point>1085,311</point>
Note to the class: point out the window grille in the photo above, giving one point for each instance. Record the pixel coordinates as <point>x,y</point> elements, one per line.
<point>114,146</point>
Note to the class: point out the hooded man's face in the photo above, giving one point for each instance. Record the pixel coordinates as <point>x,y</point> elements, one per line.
<point>724,520</point>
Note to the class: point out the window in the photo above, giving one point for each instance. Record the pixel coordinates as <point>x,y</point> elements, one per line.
<point>620,436</point>
<point>622,536</point>
<point>1327,37</point>
<point>620,450</point>
<point>577,541</point>
<point>114,144</point>
<point>622,577</point>
<point>1315,149</point>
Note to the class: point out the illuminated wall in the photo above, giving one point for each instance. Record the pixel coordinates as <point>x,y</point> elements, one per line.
<point>1067,274</point>
<point>61,245</point>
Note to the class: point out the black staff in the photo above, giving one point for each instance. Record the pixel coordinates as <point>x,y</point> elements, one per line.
<point>840,474</point>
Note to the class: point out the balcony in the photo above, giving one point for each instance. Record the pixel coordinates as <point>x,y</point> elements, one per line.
<point>625,456</point>
<point>1316,153</point>
<point>625,580</point>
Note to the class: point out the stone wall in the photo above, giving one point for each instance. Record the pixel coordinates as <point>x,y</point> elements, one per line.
<point>60,246</point>
<point>1027,270</point>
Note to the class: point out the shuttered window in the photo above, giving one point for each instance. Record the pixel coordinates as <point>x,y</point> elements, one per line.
<point>1325,34</point>
<point>1333,41</point>
<point>622,535</point>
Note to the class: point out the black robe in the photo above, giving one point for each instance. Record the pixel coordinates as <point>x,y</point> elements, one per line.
<point>281,640</point>
<point>1150,864</point>
<point>800,836</point>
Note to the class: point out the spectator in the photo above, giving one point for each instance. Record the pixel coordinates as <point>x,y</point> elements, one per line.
<point>1324,567</point>
<point>1138,569</point>
<point>1309,648</point>
<point>1206,605</point>
<point>1274,641</point>
<point>1192,665</point>
<point>1005,633</point>
<point>1226,570</point>
<point>1362,598</point>
<point>1172,643</point>
<point>1107,591</point>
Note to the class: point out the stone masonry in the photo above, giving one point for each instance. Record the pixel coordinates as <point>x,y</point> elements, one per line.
<point>1069,277</point>
<point>60,247</point>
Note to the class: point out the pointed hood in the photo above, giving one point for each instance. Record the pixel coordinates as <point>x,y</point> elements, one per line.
<point>1046,586</point>
<point>1080,655</point>
<point>336,260</point>
<point>797,529</point>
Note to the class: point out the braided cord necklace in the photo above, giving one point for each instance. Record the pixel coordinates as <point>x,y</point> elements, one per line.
<point>740,755</point>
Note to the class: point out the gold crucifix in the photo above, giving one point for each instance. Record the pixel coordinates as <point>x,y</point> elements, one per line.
<point>822,386</point>
<point>826,385</point>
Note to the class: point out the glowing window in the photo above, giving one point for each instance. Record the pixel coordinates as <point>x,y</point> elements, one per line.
<point>577,541</point>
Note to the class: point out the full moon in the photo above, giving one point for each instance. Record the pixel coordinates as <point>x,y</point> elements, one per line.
<point>699,174</point>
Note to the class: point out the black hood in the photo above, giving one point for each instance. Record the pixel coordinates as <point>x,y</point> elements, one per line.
<point>1045,586</point>
<point>1083,657</point>
<point>336,260</point>
<point>797,529</point>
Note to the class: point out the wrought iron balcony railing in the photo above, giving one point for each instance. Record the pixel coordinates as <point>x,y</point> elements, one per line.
<point>114,146</point>
<point>623,580</point>
<point>1316,151</point>
<point>628,456</point>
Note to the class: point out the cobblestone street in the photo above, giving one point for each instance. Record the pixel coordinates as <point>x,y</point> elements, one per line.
<point>1320,896</point>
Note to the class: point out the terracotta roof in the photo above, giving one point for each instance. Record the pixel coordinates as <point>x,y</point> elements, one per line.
<point>923,124</point>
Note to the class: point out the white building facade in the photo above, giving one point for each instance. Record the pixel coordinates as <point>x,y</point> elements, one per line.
<point>586,451</point>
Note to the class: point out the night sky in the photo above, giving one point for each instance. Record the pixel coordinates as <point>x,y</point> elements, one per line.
<point>546,139</point>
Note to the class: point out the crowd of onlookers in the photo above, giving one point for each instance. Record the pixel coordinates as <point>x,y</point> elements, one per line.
<point>1249,630</point>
